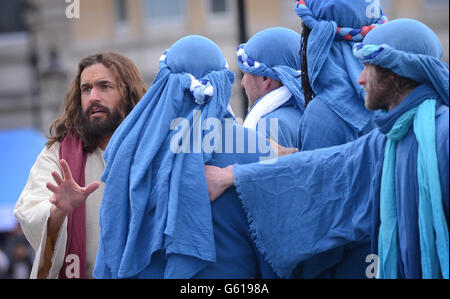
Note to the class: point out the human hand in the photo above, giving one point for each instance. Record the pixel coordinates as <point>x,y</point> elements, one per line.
<point>68,195</point>
<point>219,180</point>
<point>281,150</point>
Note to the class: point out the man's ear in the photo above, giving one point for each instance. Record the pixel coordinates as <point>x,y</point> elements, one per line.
<point>267,83</point>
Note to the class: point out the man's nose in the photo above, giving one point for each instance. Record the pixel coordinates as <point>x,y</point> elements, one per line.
<point>362,80</point>
<point>94,96</point>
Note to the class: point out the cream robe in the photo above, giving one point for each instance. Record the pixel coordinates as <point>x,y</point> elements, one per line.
<point>33,210</point>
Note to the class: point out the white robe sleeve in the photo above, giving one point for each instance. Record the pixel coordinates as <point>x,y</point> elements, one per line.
<point>33,210</point>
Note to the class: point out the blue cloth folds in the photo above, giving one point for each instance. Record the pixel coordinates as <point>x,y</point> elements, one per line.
<point>315,201</point>
<point>416,58</point>
<point>148,207</point>
<point>306,204</point>
<point>333,73</point>
<point>333,70</point>
<point>433,229</point>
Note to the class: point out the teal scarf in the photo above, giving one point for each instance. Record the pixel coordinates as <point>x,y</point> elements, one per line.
<point>433,228</point>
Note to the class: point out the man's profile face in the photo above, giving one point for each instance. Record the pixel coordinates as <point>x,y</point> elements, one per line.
<point>253,86</point>
<point>100,98</point>
<point>378,94</point>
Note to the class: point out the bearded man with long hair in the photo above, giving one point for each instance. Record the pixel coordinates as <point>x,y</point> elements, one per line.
<point>61,220</point>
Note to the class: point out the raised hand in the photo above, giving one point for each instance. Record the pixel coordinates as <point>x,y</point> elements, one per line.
<point>67,194</point>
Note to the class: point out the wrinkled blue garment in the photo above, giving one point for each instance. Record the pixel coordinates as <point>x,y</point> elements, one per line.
<point>337,114</point>
<point>433,231</point>
<point>415,58</point>
<point>156,200</point>
<point>314,201</point>
<point>333,70</point>
<point>285,125</point>
<point>307,203</point>
<point>406,168</point>
<point>236,254</point>
<point>274,53</point>
<point>322,127</point>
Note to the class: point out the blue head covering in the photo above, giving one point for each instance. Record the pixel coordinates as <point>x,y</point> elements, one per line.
<point>155,199</point>
<point>333,70</point>
<point>410,49</point>
<point>273,53</point>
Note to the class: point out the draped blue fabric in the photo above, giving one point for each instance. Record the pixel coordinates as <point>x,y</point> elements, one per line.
<point>433,229</point>
<point>148,205</point>
<point>314,201</point>
<point>307,203</point>
<point>418,59</point>
<point>337,113</point>
<point>237,256</point>
<point>333,72</point>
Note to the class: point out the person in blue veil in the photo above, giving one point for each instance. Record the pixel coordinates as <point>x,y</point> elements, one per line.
<point>156,219</point>
<point>330,71</point>
<point>271,67</point>
<point>390,186</point>
<point>335,112</point>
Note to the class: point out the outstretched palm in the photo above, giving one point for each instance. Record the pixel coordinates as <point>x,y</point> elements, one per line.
<point>68,195</point>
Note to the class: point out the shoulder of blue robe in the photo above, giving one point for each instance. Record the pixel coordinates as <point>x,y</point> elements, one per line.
<point>322,127</point>
<point>283,125</point>
<point>300,206</point>
<point>239,145</point>
<point>336,83</point>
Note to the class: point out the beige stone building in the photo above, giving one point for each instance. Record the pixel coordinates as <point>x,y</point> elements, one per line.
<point>60,32</point>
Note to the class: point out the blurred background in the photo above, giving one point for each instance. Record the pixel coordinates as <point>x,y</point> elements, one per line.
<point>42,41</point>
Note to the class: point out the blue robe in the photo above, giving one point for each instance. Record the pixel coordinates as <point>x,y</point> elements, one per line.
<point>289,118</point>
<point>156,218</point>
<point>322,127</point>
<point>236,254</point>
<point>314,201</point>
<point>337,114</point>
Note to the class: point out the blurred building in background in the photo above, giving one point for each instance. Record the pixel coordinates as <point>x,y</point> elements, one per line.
<point>41,41</point>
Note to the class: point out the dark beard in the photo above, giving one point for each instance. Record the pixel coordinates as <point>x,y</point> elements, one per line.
<point>379,95</point>
<point>96,129</point>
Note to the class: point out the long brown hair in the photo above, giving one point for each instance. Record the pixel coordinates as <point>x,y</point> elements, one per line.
<point>131,88</point>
